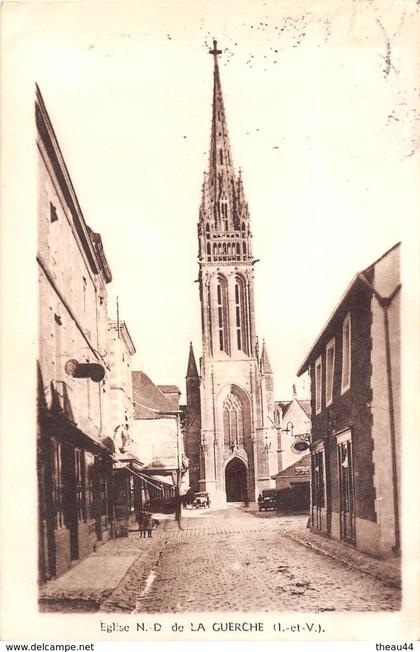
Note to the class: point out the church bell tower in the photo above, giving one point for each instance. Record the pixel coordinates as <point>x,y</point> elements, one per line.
<point>230,435</point>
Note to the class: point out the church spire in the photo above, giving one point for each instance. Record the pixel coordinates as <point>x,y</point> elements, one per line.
<point>265,361</point>
<point>192,367</point>
<point>224,218</point>
<point>221,174</point>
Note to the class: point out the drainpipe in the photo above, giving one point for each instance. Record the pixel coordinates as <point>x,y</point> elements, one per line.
<point>385,303</point>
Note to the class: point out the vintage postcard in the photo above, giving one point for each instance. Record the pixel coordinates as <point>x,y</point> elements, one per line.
<point>210,281</point>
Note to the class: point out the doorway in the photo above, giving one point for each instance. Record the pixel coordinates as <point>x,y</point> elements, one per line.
<point>346,487</point>
<point>235,481</point>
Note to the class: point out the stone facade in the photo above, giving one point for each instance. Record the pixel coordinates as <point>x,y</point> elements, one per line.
<point>230,436</point>
<point>355,379</point>
<point>74,466</point>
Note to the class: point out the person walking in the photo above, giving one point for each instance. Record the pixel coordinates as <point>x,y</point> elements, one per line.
<point>148,524</point>
<point>140,514</point>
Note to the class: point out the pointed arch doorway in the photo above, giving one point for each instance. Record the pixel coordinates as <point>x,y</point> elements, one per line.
<point>235,481</point>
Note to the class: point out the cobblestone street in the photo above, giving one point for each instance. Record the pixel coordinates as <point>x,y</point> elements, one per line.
<point>235,560</point>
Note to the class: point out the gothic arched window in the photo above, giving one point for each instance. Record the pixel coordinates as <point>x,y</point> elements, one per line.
<point>233,423</point>
<point>240,315</point>
<point>222,318</point>
<point>224,212</point>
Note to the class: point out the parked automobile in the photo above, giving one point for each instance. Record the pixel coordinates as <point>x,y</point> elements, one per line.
<point>201,499</point>
<point>267,500</point>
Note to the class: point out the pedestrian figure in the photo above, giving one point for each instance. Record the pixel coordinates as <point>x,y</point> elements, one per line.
<point>148,524</point>
<point>140,516</point>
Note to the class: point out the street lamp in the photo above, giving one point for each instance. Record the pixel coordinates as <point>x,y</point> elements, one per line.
<point>288,428</point>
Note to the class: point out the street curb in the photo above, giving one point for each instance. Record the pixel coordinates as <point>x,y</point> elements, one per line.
<point>388,581</point>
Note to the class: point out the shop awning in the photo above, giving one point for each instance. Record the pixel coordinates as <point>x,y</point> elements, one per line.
<point>164,479</point>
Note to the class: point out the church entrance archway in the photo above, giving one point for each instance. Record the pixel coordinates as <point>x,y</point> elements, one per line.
<point>235,481</point>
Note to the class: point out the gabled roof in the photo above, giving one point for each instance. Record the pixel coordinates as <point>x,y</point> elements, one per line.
<point>283,405</point>
<point>290,470</point>
<point>304,404</point>
<point>355,280</point>
<point>149,401</point>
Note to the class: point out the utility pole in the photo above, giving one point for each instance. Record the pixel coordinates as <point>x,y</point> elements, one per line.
<point>178,506</point>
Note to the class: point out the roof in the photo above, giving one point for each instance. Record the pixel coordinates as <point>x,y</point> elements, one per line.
<point>169,389</point>
<point>172,394</point>
<point>290,470</point>
<point>113,324</point>
<point>283,405</point>
<point>304,404</point>
<point>149,401</point>
<point>355,280</point>
<point>192,367</point>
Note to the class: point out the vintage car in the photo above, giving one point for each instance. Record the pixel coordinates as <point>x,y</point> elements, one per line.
<point>201,499</point>
<point>267,500</point>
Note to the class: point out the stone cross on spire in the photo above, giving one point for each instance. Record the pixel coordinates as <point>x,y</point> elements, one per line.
<point>215,52</point>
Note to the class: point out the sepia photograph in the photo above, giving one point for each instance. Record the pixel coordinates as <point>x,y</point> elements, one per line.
<point>218,258</point>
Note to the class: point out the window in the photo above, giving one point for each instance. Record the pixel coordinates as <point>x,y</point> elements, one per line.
<point>329,371</point>
<point>233,422</point>
<point>80,484</point>
<point>89,472</point>
<point>318,483</point>
<point>238,316</point>
<point>104,499</point>
<point>222,322</point>
<point>346,359</point>
<point>221,156</point>
<point>318,385</point>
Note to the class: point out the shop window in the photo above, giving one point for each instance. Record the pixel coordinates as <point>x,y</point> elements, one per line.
<point>104,494</point>
<point>80,484</point>
<point>329,371</point>
<point>57,483</point>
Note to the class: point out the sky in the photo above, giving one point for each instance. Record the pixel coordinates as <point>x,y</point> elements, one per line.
<point>322,108</point>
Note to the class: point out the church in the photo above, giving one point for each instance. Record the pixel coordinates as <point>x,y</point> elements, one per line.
<point>230,433</point>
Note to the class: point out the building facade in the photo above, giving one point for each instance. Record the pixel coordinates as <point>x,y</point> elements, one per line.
<point>356,433</point>
<point>293,419</point>
<point>74,466</point>
<point>119,403</point>
<point>157,434</point>
<point>230,436</point>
